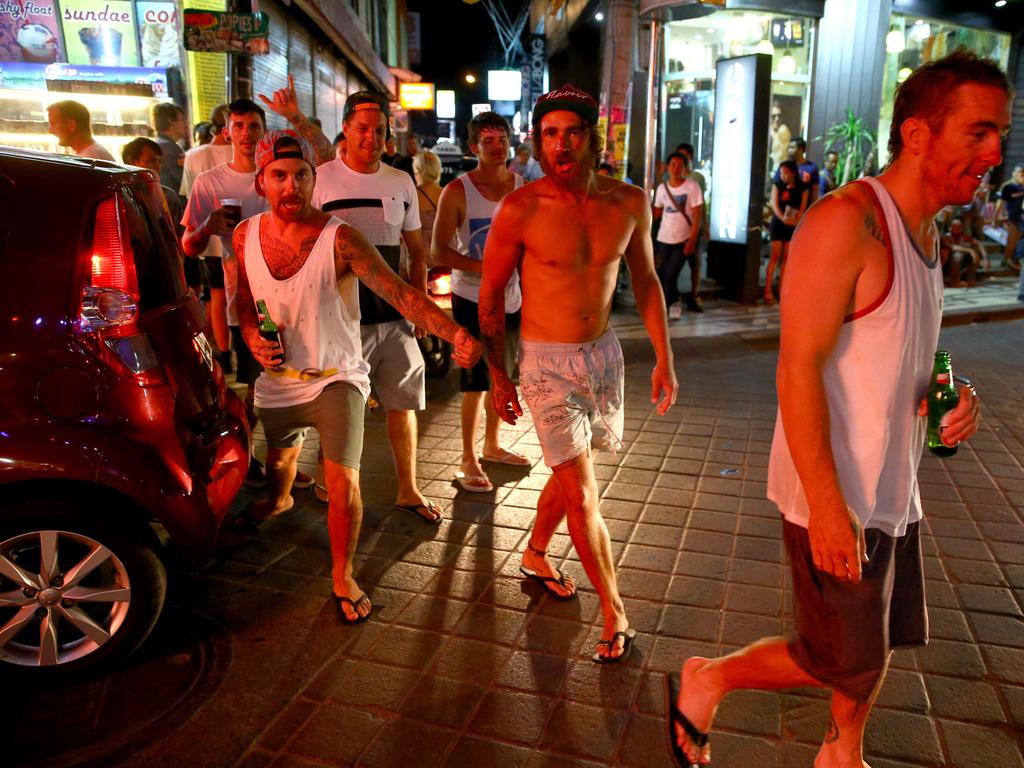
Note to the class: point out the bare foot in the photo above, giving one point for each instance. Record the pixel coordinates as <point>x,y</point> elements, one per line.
<point>615,623</point>
<point>264,509</point>
<point>537,562</point>
<point>698,700</point>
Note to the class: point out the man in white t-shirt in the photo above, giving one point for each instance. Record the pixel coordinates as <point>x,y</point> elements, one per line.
<point>679,206</point>
<point>207,156</point>
<point>71,124</point>
<point>382,204</point>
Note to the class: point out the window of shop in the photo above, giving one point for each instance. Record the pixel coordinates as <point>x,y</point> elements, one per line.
<point>692,47</point>
<point>913,41</point>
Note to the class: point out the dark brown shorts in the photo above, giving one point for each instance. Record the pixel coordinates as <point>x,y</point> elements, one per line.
<point>843,632</point>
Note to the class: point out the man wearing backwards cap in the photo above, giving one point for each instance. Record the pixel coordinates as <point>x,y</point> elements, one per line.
<point>317,376</point>
<point>383,205</point>
<point>567,232</point>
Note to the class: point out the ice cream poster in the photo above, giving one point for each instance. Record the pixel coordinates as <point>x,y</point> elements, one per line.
<point>218,32</point>
<point>100,32</point>
<point>159,37</point>
<point>29,32</point>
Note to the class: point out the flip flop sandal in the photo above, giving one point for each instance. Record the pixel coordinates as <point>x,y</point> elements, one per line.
<point>320,493</point>
<point>474,483</point>
<point>675,717</point>
<point>416,510</point>
<point>340,601</point>
<point>628,636</point>
<point>546,581</point>
<point>302,480</point>
<point>510,458</point>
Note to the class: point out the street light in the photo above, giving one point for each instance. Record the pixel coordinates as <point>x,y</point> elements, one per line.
<point>470,78</point>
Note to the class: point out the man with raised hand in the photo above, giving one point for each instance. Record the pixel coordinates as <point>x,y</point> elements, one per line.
<point>567,232</point>
<point>314,375</point>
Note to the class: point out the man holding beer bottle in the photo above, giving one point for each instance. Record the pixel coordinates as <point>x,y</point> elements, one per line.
<point>303,267</point>
<point>860,324</point>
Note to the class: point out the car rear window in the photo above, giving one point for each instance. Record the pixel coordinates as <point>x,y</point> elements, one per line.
<point>156,250</point>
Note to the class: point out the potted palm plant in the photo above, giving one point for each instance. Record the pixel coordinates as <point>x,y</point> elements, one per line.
<point>855,144</point>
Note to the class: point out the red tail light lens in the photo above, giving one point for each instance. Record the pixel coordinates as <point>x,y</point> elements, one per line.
<point>112,264</point>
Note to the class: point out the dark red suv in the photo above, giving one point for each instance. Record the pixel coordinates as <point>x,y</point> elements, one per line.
<point>113,413</point>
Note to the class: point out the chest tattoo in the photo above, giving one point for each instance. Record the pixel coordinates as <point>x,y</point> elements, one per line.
<point>282,259</point>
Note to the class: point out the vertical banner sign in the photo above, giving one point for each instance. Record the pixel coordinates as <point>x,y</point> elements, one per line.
<point>412,28</point>
<point>734,138</point>
<point>538,61</point>
<point>207,73</point>
<point>28,32</point>
<point>100,32</point>
<point>159,36</point>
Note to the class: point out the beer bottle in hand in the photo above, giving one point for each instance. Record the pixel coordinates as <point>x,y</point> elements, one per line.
<point>942,398</point>
<point>268,328</point>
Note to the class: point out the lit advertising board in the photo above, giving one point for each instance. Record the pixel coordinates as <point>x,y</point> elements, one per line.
<point>100,32</point>
<point>28,32</point>
<point>444,105</point>
<point>504,84</point>
<point>734,139</point>
<point>416,95</point>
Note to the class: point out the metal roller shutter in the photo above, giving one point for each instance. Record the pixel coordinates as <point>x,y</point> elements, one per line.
<point>270,72</point>
<point>340,87</point>
<point>300,64</point>
<point>326,102</point>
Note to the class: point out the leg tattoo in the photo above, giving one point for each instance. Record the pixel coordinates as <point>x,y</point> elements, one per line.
<point>832,732</point>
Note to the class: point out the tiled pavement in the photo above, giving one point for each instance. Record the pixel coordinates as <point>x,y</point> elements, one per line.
<point>463,664</point>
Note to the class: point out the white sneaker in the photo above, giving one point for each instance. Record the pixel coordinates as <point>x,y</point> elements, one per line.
<point>675,311</point>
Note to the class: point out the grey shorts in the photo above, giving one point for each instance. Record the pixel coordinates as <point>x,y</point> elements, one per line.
<point>844,631</point>
<point>396,365</point>
<point>575,395</point>
<point>336,413</point>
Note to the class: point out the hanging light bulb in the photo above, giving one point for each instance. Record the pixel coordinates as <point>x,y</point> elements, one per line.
<point>765,46</point>
<point>903,74</point>
<point>895,42</point>
<point>787,64</point>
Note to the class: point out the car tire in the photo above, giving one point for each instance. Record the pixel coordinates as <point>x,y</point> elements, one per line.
<point>106,589</point>
<point>437,356</point>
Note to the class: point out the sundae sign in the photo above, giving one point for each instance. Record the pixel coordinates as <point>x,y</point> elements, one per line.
<point>225,32</point>
<point>100,32</point>
<point>28,31</point>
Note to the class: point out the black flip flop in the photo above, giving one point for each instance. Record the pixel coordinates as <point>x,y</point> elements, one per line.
<point>546,580</point>
<point>674,717</point>
<point>628,636</point>
<point>414,510</point>
<point>339,601</point>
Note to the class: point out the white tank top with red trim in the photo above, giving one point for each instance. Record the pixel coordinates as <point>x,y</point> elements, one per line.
<point>320,318</point>
<point>874,381</point>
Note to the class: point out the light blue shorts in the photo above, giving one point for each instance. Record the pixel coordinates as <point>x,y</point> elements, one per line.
<point>575,394</point>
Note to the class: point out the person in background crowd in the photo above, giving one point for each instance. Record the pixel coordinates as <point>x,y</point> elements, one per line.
<point>961,256</point>
<point>464,215</point>
<point>70,123</point>
<point>679,206</point>
<point>390,153</point>
<point>1010,205</point>
<point>863,296</point>
<point>427,168</point>
<point>828,181</point>
<point>339,145</point>
<point>206,156</point>
<point>568,232</point>
<point>807,170</point>
<point>382,202</point>
<point>778,136</point>
<point>202,134</point>
<point>606,169</point>
<point>322,380</point>
<point>523,164</point>
<point>146,153</point>
<point>789,201</point>
<point>168,120</point>
<point>405,162</point>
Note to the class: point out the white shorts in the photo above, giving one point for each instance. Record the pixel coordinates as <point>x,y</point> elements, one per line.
<point>575,394</point>
<point>396,365</point>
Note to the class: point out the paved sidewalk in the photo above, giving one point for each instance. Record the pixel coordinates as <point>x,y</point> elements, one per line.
<point>463,664</point>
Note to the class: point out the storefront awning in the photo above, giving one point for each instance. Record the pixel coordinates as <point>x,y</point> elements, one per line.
<point>700,6</point>
<point>690,9</point>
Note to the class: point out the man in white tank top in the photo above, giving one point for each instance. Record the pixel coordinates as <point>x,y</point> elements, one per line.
<point>465,210</point>
<point>861,311</point>
<point>303,264</point>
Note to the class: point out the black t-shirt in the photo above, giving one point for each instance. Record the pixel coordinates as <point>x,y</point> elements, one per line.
<point>1013,200</point>
<point>789,196</point>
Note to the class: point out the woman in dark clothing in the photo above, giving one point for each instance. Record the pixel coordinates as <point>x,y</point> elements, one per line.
<point>789,201</point>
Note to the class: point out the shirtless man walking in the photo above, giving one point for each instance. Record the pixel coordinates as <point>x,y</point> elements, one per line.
<point>319,379</point>
<point>861,315</point>
<point>567,232</point>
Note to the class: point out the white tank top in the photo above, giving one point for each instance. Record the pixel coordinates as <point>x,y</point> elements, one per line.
<point>472,235</point>
<point>874,382</point>
<point>320,317</point>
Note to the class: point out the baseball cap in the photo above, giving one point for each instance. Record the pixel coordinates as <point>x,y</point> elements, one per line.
<point>567,97</point>
<point>278,145</point>
<point>361,100</point>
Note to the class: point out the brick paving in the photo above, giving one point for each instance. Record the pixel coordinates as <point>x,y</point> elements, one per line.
<point>464,664</point>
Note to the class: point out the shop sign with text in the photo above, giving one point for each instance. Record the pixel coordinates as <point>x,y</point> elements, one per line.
<point>100,32</point>
<point>734,125</point>
<point>28,31</point>
<point>416,95</point>
<point>159,33</point>
<point>227,32</point>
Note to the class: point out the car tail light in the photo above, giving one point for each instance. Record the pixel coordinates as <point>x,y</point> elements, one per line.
<point>440,285</point>
<point>108,313</point>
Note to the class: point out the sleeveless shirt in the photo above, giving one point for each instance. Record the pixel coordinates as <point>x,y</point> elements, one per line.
<point>874,380</point>
<point>320,318</point>
<point>472,235</point>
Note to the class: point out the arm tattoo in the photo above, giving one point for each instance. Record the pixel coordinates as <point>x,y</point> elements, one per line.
<point>832,732</point>
<point>321,144</point>
<point>874,229</point>
<point>492,331</point>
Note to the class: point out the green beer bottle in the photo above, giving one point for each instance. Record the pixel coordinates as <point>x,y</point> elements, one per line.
<point>942,398</point>
<point>268,328</point>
